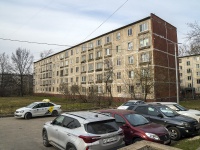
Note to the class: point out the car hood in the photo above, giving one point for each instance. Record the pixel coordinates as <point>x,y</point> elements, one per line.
<point>23,108</point>
<point>189,111</point>
<point>182,118</point>
<point>122,107</point>
<point>153,128</point>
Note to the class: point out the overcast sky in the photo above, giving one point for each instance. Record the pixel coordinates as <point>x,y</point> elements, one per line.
<point>69,22</point>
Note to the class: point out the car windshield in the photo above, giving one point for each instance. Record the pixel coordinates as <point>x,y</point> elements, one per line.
<point>180,108</point>
<point>31,105</point>
<point>136,119</point>
<point>168,111</point>
<point>102,127</point>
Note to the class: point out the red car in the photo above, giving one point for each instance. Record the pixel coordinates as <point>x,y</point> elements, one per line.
<point>136,127</point>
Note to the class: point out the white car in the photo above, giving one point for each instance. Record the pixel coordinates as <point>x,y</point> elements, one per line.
<point>130,103</point>
<point>82,131</point>
<point>182,110</point>
<point>35,109</point>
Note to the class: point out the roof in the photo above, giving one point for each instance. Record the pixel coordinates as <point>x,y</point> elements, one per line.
<point>134,100</point>
<point>88,116</point>
<point>163,103</point>
<point>118,111</point>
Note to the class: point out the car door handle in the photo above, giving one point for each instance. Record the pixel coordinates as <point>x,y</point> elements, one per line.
<point>69,134</point>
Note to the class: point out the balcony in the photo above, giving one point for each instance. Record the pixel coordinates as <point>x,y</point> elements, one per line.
<point>99,69</point>
<point>144,47</point>
<point>144,32</point>
<point>83,82</point>
<point>92,70</point>
<point>109,43</point>
<point>90,59</point>
<point>99,81</point>
<point>107,56</point>
<point>97,58</point>
<point>90,49</point>
<point>83,61</point>
<point>83,71</point>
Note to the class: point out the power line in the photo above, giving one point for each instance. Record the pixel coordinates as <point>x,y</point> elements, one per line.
<point>30,42</point>
<point>106,19</point>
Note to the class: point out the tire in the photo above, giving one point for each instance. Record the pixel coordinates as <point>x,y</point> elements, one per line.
<point>71,147</point>
<point>45,139</point>
<point>137,139</point>
<point>174,133</point>
<point>54,113</point>
<point>28,116</point>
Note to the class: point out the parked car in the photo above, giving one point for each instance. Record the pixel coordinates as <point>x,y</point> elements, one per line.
<point>136,127</point>
<point>82,131</point>
<point>43,108</point>
<point>178,125</point>
<point>130,103</point>
<point>182,110</point>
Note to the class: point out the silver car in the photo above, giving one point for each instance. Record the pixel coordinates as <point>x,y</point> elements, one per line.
<point>82,131</point>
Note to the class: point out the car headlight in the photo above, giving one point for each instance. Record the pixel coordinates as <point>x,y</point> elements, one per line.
<point>21,111</point>
<point>152,136</point>
<point>197,114</point>
<point>186,124</point>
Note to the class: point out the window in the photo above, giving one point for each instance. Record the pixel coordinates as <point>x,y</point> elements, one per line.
<point>143,27</point>
<point>83,48</point>
<point>83,78</point>
<point>90,45</point>
<point>131,74</point>
<point>118,89</point>
<point>198,73</point>
<point>77,69</point>
<point>119,120</point>
<point>197,65</point>
<point>190,85</point>
<point>180,60</point>
<point>58,121</point>
<point>107,39</point>
<point>72,52</point>
<point>144,42</point>
<point>118,75</point>
<point>99,89</point>
<point>188,70</point>
<point>71,70</point>
<point>77,59</point>
<point>118,36</point>
<point>153,111</point>
<point>66,54</point>
<point>83,58</point>
<point>83,89</point>
<point>98,42</point>
<point>130,45</point>
<point>98,54</point>
<point>181,74</point>
<point>118,49</point>
<point>99,65</point>
<point>131,89</point>
<point>130,60</point>
<point>145,57</point>
<point>129,31</point>
<point>145,72</point>
<point>118,61</point>
<point>141,110</point>
<point>90,77</point>
<point>99,77</point>
<point>77,79</point>
<point>198,81</point>
<point>189,78</point>
<point>71,80</point>
<point>90,67</point>
<point>188,63</point>
<point>77,51</point>
<point>71,123</point>
<point>107,51</point>
<point>66,62</point>
<point>83,69</point>
<point>180,67</point>
<point>90,56</point>
<point>197,58</point>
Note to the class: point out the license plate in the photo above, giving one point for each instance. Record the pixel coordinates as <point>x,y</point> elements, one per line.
<point>109,140</point>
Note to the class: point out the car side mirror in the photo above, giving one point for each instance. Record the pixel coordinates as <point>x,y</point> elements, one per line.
<point>160,115</point>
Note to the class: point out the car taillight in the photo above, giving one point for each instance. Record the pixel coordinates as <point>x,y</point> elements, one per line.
<point>89,139</point>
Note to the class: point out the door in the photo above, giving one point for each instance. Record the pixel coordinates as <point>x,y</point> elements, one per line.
<point>155,116</point>
<point>38,110</point>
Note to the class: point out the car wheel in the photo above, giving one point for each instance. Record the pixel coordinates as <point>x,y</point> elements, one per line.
<point>174,133</point>
<point>71,147</point>
<point>137,139</point>
<point>54,113</point>
<point>45,139</point>
<point>28,116</point>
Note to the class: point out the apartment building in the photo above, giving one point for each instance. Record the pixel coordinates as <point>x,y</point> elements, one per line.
<point>189,71</point>
<point>113,59</point>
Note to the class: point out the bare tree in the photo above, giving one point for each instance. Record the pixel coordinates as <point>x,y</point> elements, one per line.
<point>22,63</point>
<point>64,89</point>
<point>5,74</point>
<point>193,37</point>
<point>46,53</point>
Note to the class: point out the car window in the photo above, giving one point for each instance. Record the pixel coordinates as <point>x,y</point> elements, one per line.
<point>119,120</point>
<point>153,111</point>
<point>173,107</point>
<point>38,105</point>
<point>102,127</point>
<point>136,119</point>
<point>50,104</point>
<point>58,121</point>
<point>71,123</point>
<point>141,109</point>
<point>168,111</point>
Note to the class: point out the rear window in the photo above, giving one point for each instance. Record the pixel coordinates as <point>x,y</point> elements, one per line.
<point>102,127</point>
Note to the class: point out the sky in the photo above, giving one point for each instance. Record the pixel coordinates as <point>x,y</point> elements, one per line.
<point>69,22</point>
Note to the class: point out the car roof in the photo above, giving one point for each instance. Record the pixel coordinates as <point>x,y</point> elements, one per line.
<point>87,116</point>
<point>134,100</point>
<point>164,103</point>
<point>118,111</point>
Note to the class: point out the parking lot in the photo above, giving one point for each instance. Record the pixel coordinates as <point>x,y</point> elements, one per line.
<point>21,134</point>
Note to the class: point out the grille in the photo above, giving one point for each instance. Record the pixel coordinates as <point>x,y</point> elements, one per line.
<point>164,137</point>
